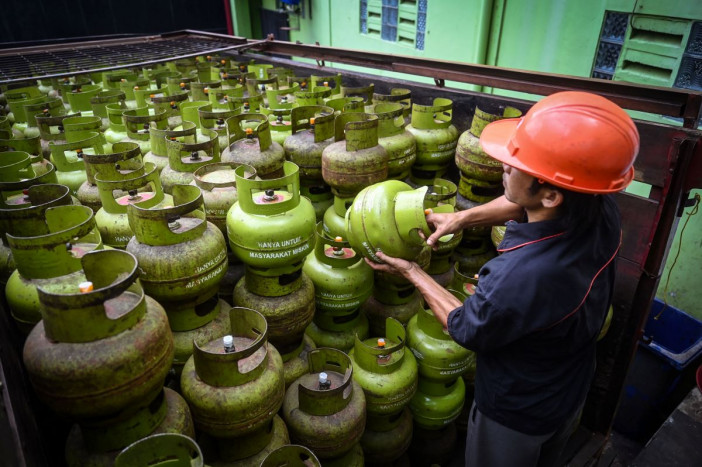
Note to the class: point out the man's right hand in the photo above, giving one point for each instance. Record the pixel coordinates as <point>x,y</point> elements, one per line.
<point>442,224</point>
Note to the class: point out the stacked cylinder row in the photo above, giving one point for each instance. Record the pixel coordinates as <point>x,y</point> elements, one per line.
<point>194,234</point>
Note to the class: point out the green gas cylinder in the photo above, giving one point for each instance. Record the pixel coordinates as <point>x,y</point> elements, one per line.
<point>99,102</point>
<point>181,255</point>
<point>116,131</point>
<point>332,82</point>
<point>312,130</point>
<point>440,267</point>
<point>342,282</point>
<point>179,83</point>
<point>386,370</point>
<point>215,120</point>
<point>68,157</point>
<point>159,152</point>
<point>200,91</point>
<point>295,362</point>
<point>22,206</point>
<point>280,126</point>
<point>282,98</point>
<point>79,98</point>
<point>247,104</point>
<point>31,147</point>
<point>170,103</point>
<point>43,259</point>
<point>287,302</point>
<point>50,106</point>
<point>143,188</point>
<point>234,384</point>
<point>312,96</point>
<point>291,455</point>
<point>345,104</point>
<point>437,403</point>
<point>439,358</point>
<point>343,332</point>
<point>325,409</point>
<point>17,165</point>
<point>188,155</point>
<point>497,234</point>
<point>364,92</point>
<point>397,141</point>
<point>471,264</point>
<point>481,175</point>
<point>218,185</point>
<point>270,226</point>
<point>319,194</point>
<point>388,216</point>
<point>407,303</point>
<point>436,140</point>
<point>17,99</point>
<point>462,285</point>
<point>143,95</point>
<point>137,123</point>
<point>254,146</point>
<point>341,278</point>
<point>183,258</point>
<point>51,129</point>
<point>246,450</point>
<point>176,449</point>
<point>387,437</point>
<point>397,95</point>
<point>123,159</point>
<point>129,87</point>
<point>352,163</point>
<point>112,79</point>
<point>98,442</point>
<point>281,74</point>
<point>97,353</point>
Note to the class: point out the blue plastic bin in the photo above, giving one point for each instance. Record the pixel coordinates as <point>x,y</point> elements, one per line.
<point>659,376</point>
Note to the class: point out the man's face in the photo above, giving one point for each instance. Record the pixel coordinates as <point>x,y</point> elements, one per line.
<point>517,184</point>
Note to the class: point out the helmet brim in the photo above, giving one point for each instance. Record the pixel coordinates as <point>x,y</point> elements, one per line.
<point>497,141</point>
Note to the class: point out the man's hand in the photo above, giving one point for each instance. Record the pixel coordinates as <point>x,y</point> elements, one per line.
<point>443,224</point>
<point>395,266</point>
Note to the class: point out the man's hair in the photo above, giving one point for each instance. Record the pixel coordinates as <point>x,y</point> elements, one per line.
<point>578,210</point>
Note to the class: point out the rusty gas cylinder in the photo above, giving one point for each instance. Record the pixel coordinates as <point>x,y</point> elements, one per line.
<point>253,145</point>
<point>185,157</point>
<point>99,352</point>
<point>234,384</point>
<point>141,187</point>
<point>325,409</point>
<point>312,130</point>
<point>22,206</point>
<point>48,256</point>
<point>122,160</point>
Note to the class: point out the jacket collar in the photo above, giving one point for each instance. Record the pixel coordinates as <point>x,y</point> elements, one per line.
<point>518,234</point>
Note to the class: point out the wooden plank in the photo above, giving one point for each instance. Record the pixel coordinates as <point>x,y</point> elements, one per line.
<point>639,218</point>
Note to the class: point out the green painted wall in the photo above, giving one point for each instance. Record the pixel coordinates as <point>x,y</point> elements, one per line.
<point>553,36</point>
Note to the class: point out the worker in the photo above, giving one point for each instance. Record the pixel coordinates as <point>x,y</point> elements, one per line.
<point>539,306</point>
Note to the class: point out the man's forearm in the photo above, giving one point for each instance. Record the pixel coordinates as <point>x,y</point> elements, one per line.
<point>496,212</point>
<point>440,301</point>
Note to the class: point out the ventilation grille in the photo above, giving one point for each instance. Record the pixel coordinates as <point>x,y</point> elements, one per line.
<point>690,72</point>
<point>20,64</point>
<point>402,21</point>
<point>610,46</point>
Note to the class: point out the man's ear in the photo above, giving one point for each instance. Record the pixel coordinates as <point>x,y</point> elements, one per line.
<point>552,198</point>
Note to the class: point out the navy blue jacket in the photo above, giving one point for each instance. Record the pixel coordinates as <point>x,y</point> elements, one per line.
<point>534,319</point>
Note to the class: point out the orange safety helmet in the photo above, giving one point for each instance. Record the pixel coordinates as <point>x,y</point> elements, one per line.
<point>574,140</point>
